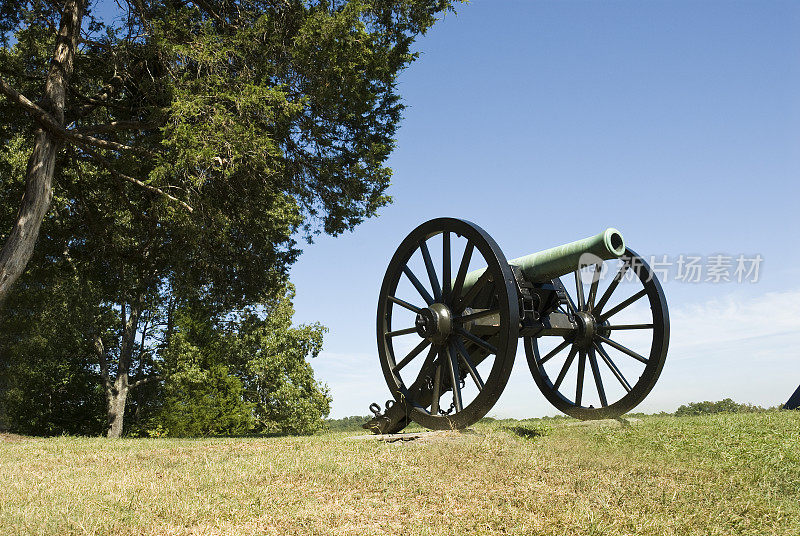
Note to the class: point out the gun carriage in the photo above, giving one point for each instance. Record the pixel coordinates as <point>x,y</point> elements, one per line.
<point>452,310</point>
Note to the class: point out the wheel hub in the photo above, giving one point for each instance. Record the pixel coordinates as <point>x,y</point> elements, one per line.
<point>587,327</point>
<point>602,328</point>
<point>434,323</point>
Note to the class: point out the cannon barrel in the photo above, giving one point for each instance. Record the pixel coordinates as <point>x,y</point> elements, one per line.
<point>554,262</point>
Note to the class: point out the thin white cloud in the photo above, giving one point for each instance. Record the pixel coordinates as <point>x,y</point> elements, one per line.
<point>734,319</point>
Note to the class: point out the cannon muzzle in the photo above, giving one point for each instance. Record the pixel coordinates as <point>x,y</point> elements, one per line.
<point>554,262</point>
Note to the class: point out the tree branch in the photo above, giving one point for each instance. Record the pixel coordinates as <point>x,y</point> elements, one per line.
<point>115,126</point>
<point>39,114</point>
<point>206,6</point>
<point>82,139</point>
<point>101,357</point>
<point>129,337</point>
<point>100,99</point>
<point>86,41</point>
<point>106,164</point>
<point>143,381</point>
<point>140,10</point>
<point>48,121</point>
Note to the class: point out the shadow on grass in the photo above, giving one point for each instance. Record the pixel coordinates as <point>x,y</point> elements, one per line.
<point>526,432</point>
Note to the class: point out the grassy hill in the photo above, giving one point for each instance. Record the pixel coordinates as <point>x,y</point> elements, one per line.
<point>719,474</point>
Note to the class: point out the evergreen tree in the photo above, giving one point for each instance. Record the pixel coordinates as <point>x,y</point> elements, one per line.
<point>189,144</point>
<point>246,373</point>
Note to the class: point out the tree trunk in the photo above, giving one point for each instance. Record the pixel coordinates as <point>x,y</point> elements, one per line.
<point>38,193</point>
<point>115,402</point>
<point>117,391</point>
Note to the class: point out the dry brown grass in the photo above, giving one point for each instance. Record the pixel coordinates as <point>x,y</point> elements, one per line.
<point>733,474</point>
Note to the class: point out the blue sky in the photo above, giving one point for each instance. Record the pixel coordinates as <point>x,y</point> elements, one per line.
<point>545,122</point>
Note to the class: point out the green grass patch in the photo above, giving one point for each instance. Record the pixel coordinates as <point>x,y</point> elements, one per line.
<point>713,474</point>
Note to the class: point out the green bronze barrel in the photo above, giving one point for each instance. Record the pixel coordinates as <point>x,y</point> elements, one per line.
<point>554,262</point>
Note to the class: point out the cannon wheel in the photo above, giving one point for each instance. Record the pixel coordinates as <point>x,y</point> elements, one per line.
<point>593,344</point>
<point>448,348</point>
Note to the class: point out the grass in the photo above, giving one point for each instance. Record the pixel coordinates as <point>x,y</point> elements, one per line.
<point>720,474</point>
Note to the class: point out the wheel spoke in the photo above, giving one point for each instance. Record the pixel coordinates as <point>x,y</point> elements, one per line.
<point>611,312</point>
<point>613,367</point>
<point>554,351</point>
<point>411,355</point>
<point>426,256</point>
<point>561,375</point>
<point>446,264</point>
<point>405,331</point>
<point>458,284</point>
<point>630,326</point>
<point>405,304</point>
<point>610,290</point>
<point>459,347</point>
<point>477,316</point>
<point>437,389</point>
<point>476,288</point>
<point>593,289</point>
<point>427,364</point>
<point>579,383</point>
<point>598,381</point>
<point>622,349</point>
<point>570,304</point>
<point>477,340</point>
<point>579,289</point>
<point>417,285</point>
<point>455,375</point>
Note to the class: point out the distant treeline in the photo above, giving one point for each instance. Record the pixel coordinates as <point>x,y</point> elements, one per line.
<point>727,405</point>
<point>346,424</point>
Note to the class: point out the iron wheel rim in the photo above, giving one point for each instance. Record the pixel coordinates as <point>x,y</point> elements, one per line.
<point>572,405</point>
<point>413,394</point>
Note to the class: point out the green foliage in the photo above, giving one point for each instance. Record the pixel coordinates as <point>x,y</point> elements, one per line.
<point>347,424</point>
<point>209,404</point>
<point>243,374</point>
<point>247,106</point>
<point>281,382</point>
<point>48,384</point>
<point>272,120</point>
<point>726,405</point>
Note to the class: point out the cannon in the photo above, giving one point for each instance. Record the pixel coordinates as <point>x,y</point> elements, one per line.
<point>452,309</point>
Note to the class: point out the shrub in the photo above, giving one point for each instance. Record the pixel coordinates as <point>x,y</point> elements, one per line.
<point>726,405</point>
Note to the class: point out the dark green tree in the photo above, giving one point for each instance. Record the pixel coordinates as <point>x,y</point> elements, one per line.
<point>189,143</point>
<point>278,378</point>
<point>182,96</point>
<point>707,407</point>
<point>49,382</point>
<point>245,373</point>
